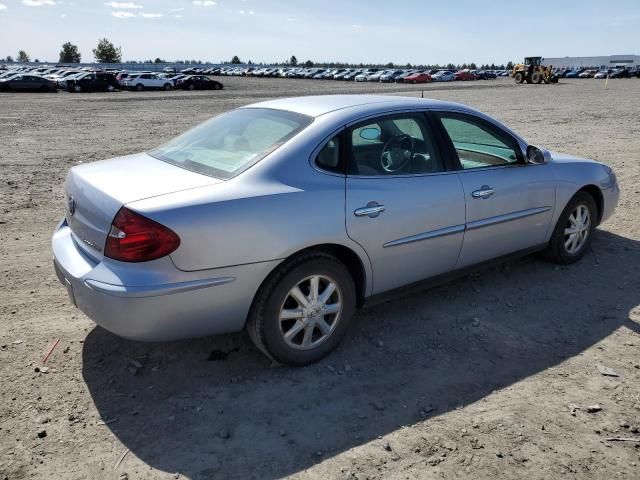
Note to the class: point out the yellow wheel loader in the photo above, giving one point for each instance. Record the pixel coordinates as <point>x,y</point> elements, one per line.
<point>532,71</point>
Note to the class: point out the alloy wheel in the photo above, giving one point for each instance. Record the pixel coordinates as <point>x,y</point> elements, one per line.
<point>310,312</point>
<point>577,229</point>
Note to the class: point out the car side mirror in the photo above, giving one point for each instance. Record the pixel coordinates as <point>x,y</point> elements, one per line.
<point>370,133</point>
<point>535,156</point>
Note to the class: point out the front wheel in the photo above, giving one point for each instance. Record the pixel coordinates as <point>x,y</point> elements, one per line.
<point>573,232</point>
<point>303,310</point>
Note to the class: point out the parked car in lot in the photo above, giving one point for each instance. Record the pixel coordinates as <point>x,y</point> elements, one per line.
<point>93,82</point>
<point>351,76</point>
<point>147,81</point>
<point>443,76</point>
<point>27,83</point>
<point>588,74</point>
<point>196,237</point>
<point>603,73</point>
<point>620,73</point>
<point>390,76</point>
<point>486,75</point>
<point>198,82</point>
<point>465,74</point>
<point>420,77</point>
<point>9,74</point>
<point>365,74</point>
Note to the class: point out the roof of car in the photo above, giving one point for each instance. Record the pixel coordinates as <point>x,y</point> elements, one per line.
<point>314,106</point>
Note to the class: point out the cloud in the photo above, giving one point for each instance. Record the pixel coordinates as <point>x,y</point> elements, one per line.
<point>38,3</point>
<point>121,14</point>
<point>152,15</point>
<point>2,7</point>
<point>123,5</point>
<point>204,3</point>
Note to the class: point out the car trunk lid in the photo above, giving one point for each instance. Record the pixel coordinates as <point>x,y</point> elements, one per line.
<point>95,192</point>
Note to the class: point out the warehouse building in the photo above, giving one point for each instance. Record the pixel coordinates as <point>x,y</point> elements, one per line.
<point>612,61</point>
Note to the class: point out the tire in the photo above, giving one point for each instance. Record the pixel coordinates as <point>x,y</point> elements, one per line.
<point>264,324</point>
<point>139,87</point>
<point>557,250</point>
<point>519,78</point>
<point>537,78</point>
<point>167,87</point>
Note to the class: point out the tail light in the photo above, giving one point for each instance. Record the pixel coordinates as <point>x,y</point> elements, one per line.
<point>136,238</point>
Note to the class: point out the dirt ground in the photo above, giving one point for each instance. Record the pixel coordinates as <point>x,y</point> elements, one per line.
<point>491,376</point>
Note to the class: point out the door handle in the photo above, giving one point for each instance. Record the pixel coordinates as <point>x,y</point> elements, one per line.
<point>372,210</point>
<point>485,192</point>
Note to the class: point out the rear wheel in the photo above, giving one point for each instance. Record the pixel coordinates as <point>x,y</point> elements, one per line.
<point>519,77</point>
<point>572,235</point>
<point>303,310</point>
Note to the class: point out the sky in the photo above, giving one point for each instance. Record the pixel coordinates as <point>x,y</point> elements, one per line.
<point>368,31</point>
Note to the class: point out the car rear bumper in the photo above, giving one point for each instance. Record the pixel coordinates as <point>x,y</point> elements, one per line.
<point>154,301</point>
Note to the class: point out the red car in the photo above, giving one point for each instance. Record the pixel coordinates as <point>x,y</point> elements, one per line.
<point>465,75</point>
<point>420,77</point>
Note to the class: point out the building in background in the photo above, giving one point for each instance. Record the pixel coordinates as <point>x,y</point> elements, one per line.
<point>611,61</point>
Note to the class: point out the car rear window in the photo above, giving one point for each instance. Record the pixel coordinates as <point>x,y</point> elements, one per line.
<point>230,143</point>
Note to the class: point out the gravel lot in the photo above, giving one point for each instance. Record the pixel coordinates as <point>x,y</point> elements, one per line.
<point>491,376</point>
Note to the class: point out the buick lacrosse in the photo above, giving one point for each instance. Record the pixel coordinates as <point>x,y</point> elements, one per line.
<point>285,216</point>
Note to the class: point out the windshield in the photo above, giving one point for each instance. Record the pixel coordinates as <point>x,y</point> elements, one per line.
<point>230,143</point>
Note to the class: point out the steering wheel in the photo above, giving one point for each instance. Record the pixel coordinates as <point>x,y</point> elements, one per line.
<point>397,153</point>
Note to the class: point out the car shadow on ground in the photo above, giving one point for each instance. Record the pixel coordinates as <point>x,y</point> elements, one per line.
<point>215,408</point>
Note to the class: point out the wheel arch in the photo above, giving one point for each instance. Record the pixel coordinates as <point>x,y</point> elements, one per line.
<point>347,256</point>
<point>596,193</point>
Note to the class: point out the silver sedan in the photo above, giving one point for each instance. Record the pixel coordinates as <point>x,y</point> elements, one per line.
<point>285,216</point>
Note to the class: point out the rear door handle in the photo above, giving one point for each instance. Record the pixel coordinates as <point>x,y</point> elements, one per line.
<point>372,210</point>
<point>485,192</point>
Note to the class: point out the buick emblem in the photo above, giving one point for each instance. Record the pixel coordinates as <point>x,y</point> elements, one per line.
<point>71,204</point>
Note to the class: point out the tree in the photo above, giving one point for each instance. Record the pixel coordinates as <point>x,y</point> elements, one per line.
<point>23,56</point>
<point>236,60</point>
<point>69,53</point>
<point>106,52</point>
<point>293,61</point>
